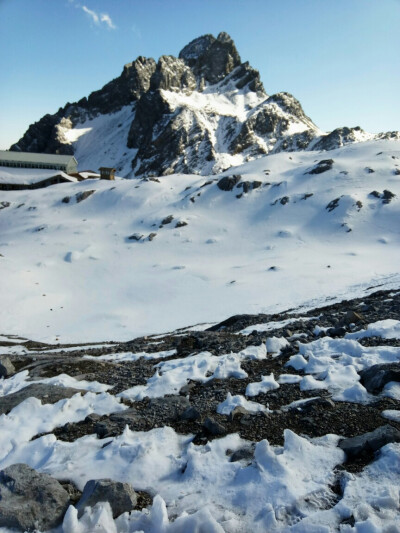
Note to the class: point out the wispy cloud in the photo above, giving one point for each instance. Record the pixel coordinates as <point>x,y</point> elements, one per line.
<point>97,18</point>
<point>107,20</point>
<point>92,14</point>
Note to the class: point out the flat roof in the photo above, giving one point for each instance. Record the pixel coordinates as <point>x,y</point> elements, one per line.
<point>32,157</point>
<point>27,176</point>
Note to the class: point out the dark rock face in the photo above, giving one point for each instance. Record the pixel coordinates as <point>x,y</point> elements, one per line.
<point>211,58</point>
<point>173,75</point>
<point>124,90</point>
<point>121,496</point>
<point>45,135</point>
<point>30,500</point>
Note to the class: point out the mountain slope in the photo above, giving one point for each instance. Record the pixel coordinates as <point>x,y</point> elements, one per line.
<point>201,113</point>
<point>267,235</point>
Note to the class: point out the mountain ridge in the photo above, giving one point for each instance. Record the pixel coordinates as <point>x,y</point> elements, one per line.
<point>201,112</point>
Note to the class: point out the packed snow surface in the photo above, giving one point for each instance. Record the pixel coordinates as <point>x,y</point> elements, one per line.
<point>69,271</point>
<point>197,488</point>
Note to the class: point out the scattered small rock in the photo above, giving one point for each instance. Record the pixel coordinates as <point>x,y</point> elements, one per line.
<point>387,196</point>
<point>213,427</point>
<point>136,237</point>
<point>375,194</point>
<point>333,204</point>
<point>167,220</point>
<point>181,224</point>
<point>284,200</point>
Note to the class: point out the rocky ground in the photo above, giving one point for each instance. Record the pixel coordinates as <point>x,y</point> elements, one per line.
<point>194,409</point>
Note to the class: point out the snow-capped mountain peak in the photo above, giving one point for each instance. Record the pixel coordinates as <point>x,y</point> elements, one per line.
<point>200,113</point>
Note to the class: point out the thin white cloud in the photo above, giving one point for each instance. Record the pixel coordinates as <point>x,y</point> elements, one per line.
<point>96,18</point>
<point>107,20</point>
<point>92,14</point>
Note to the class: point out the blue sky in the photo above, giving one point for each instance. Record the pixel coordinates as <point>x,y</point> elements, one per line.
<point>340,58</point>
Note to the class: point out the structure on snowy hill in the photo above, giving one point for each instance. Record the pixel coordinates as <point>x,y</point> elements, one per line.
<point>27,170</point>
<point>65,163</point>
<point>29,179</point>
<point>107,173</point>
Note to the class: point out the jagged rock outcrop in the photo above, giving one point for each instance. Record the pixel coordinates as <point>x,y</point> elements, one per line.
<point>211,58</point>
<point>201,112</point>
<point>338,137</point>
<point>46,135</point>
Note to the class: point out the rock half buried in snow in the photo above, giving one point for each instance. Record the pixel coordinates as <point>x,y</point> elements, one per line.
<point>41,391</point>
<point>228,182</point>
<point>321,166</point>
<point>376,377</point>
<point>6,367</point>
<point>121,496</point>
<point>30,500</point>
<point>80,196</point>
<point>369,442</point>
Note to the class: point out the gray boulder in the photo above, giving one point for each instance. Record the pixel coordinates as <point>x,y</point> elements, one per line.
<point>121,496</point>
<point>41,391</point>
<point>6,367</point>
<point>30,500</point>
<point>376,377</point>
<point>369,442</point>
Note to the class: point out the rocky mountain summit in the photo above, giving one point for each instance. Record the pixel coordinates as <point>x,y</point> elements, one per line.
<point>199,113</point>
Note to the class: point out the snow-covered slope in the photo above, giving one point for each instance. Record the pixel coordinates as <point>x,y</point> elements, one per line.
<point>292,230</point>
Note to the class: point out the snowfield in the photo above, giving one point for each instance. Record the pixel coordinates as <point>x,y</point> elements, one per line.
<point>74,272</point>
